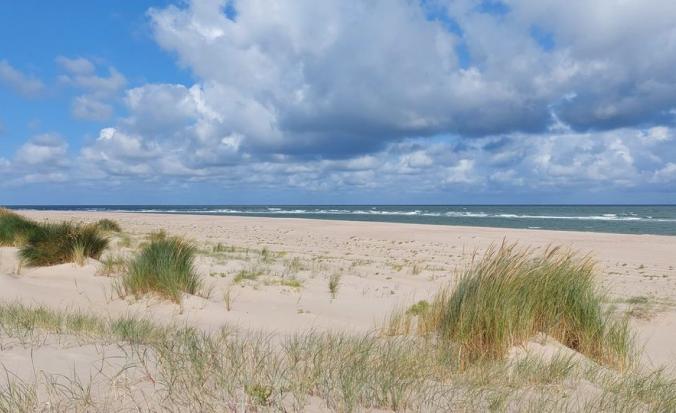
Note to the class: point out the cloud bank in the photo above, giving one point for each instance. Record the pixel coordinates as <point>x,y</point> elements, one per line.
<point>433,96</point>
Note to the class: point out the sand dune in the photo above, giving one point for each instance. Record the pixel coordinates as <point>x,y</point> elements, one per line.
<point>380,267</point>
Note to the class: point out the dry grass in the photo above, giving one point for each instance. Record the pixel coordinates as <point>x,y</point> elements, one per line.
<point>228,370</point>
<point>510,295</point>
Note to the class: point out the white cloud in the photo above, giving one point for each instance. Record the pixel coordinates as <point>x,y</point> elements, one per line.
<point>100,91</point>
<point>25,85</point>
<point>45,150</point>
<point>334,95</point>
<point>88,107</point>
<point>78,65</point>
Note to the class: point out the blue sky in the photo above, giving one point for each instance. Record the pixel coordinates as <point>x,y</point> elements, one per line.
<point>293,101</point>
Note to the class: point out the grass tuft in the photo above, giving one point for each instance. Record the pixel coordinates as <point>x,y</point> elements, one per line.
<point>15,229</point>
<point>510,295</point>
<point>108,225</point>
<point>164,266</point>
<point>334,283</point>
<point>112,265</point>
<point>51,244</point>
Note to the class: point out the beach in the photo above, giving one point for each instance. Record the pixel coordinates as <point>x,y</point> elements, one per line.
<point>381,266</point>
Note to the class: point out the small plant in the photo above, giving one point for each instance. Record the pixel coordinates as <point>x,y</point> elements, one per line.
<point>79,254</point>
<point>266,255</point>
<point>166,267</point>
<point>249,274</point>
<point>295,265</point>
<point>291,282</point>
<point>334,283</point>
<point>418,308</point>
<point>416,269</point>
<point>227,298</point>
<point>639,299</point>
<point>259,394</point>
<point>219,248</point>
<point>108,225</point>
<point>112,265</point>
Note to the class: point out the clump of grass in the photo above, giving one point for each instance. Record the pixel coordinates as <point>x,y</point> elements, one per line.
<point>124,241</point>
<point>160,235</point>
<point>112,265</point>
<point>295,265</point>
<point>51,244</point>
<point>291,282</point>
<point>15,229</point>
<point>108,225</point>
<point>334,283</point>
<point>164,266</point>
<point>247,274</point>
<point>418,308</point>
<point>227,297</point>
<point>510,295</point>
<point>79,254</point>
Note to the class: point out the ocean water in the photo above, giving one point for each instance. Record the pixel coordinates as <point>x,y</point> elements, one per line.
<point>625,219</point>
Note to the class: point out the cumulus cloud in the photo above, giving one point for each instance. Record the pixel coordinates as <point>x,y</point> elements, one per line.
<point>100,91</point>
<point>429,96</point>
<point>19,82</point>
<point>41,159</point>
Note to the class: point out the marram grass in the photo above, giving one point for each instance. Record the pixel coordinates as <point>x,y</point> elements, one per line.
<point>232,370</point>
<point>51,244</point>
<point>510,295</point>
<point>164,266</point>
<point>108,225</point>
<point>14,229</point>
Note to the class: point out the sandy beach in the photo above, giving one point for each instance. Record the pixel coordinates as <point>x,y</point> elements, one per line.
<point>381,266</point>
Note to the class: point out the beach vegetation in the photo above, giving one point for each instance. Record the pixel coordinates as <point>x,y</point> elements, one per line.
<point>59,243</point>
<point>418,308</point>
<point>165,266</point>
<point>510,295</point>
<point>248,274</point>
<point>112,265</point>
<point>108,225</point>
<point>192,370</point>
<point>334,284</point>
<point>14,228</point>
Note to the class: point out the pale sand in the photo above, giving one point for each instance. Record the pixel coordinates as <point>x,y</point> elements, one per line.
<point>382,266</point>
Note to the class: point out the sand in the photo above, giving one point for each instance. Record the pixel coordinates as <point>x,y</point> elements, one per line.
<point>381,266</point>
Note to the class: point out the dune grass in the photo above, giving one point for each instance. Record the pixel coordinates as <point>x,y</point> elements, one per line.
<point>511,294</point>
<point>164,266</point>
<point>238,370</point>
<point>108,225</point>
<point>59,243</point>
<point>15,229</point>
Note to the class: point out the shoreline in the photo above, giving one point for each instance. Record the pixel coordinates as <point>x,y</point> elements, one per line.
<point>351,221</point>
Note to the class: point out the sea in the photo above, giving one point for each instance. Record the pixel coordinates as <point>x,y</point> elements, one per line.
<point>622,219</point>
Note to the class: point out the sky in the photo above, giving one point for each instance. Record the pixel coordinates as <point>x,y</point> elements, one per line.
<point>337,102</point>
